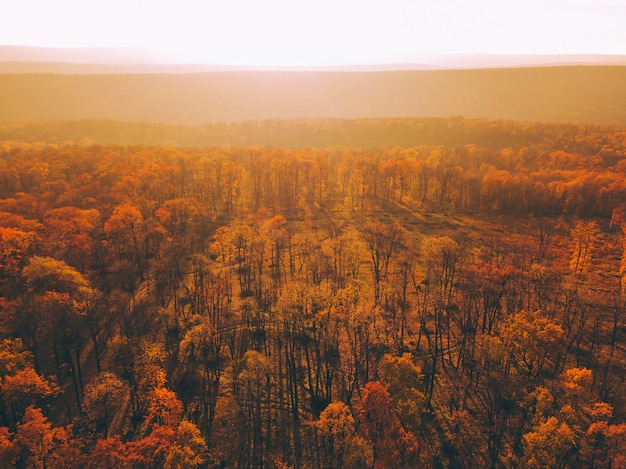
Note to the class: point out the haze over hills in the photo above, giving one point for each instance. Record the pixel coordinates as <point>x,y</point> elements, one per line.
<point>25,59</point>
<point>128,86</point>
<point>550,94</point>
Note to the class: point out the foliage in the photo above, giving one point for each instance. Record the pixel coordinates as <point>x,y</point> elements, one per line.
<point>457,301</point>
<point>189,448</point>
<point>341,446</point>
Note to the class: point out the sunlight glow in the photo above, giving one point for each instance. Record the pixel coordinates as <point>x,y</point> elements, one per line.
<point>290,32</point>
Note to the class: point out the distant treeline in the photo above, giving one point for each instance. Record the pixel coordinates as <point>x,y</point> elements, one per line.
<point>604,141</point>
<point>574,94</point>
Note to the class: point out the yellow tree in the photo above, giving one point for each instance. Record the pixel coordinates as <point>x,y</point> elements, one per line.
<point>252,384</point>
<point>341,447</point>
<point>382,240</point>
<point>103,400</point>
<point>533,340</point>
<point>548,444</point>
<point>189,449</point>
<point>585,236</point>
<point>403,379</point>
<point>14,245</point>
<point>59,300</point>
<point>125,232</point>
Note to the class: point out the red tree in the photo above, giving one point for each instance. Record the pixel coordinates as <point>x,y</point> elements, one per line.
<point>393,446</point>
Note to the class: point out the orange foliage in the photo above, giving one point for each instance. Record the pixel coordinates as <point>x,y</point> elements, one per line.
<point>393,446</point>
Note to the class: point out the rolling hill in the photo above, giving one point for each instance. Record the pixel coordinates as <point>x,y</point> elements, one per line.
<point>570,94</point>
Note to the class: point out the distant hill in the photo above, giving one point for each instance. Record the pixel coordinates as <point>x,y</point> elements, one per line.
<point>26,59</point>
<point>72,68</point>
<point>571,94</point>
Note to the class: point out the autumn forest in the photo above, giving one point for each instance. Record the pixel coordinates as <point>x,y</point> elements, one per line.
<point>323,293</point>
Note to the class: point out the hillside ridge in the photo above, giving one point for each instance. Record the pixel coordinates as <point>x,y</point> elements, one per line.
<point>569,94</point>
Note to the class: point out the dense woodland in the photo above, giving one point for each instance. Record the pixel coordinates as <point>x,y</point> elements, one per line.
<point>455,299</point>
<point>606,142</point>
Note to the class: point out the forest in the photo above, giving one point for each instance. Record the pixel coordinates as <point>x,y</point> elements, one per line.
<point>368,293</point>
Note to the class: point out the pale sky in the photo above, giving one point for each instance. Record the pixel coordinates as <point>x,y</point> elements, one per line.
<point>319,32</point>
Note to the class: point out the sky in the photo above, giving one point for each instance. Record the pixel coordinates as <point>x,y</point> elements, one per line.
<point>318,32</point>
